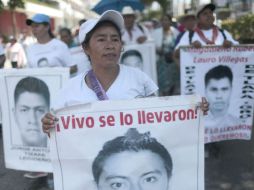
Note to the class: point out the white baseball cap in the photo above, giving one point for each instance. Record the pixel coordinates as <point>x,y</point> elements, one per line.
<point>109,15</point>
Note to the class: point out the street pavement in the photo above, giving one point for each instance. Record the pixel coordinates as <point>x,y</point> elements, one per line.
<point>230,167</point>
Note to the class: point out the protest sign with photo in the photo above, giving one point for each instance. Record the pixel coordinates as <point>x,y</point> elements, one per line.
<point>141,56</point>
<point>26,96</point>
<point>225,76</point>
<point>156,143</point>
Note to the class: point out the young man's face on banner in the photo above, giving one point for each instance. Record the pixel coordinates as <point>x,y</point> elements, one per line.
<point>29,109</point>
<point>130,170</point>
<point>218,93</point>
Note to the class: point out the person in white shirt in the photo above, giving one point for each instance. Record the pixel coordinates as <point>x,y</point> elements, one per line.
<point>101,41</point>
<point>48,51</point>
<point>16,53</point>
<point>205,33</point>
<point>167,71</point>
<point>134,33</point>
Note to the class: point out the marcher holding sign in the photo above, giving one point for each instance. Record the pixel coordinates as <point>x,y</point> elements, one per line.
<point>205,33</point>
<point>101,41</point>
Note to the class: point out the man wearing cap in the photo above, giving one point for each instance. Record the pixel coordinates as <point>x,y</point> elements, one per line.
<point>48,51</point>
<point>134,32</point>
<point>206,33</point>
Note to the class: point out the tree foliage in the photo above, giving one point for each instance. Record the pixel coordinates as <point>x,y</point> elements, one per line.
<point>242,28</point>
<point>1,5</point>
<point>13,4</point>
<point>163,3</point>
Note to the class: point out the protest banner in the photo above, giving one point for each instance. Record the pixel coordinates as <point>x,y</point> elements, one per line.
<point>156,142</point>
<point>225,76</point>
<point>25,98</point>
<point>141,56</point>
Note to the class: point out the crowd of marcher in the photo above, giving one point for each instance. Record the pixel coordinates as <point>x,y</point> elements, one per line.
<point>92,53</point>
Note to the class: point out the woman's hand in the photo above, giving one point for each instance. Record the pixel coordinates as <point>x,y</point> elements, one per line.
<point>48,122</point>
<point>227,44</point>
<point>204,106</point>
<point>196,44</point>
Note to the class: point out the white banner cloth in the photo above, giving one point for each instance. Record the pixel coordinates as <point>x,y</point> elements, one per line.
<point>82,131</point>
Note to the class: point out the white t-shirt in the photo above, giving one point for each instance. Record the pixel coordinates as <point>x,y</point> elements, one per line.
<point>16,53</point>
<point>130,83</point>
<point>55,53</point>
<point>136,33</point>
<point>185,41</point>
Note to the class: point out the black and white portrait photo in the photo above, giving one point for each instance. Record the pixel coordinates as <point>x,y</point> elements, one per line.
<point>31,103</point>
<point>141,56</point>
<point>114,165</point>
<point>218,90</point>
<point>27,96</point>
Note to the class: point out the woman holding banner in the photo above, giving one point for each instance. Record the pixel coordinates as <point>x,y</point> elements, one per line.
<point>101,41</point>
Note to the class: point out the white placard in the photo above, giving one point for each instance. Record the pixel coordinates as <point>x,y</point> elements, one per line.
<point>153,142</point>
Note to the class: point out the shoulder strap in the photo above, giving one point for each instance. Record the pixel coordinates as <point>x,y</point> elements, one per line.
<point>191,33</point>
<point>223,33</point>
<point>140,27</point>
<point>96,86</point>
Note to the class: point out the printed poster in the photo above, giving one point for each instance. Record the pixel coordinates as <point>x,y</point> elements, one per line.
<point>26,95</point>
<point>151,143</point>
<point>225,76</point>
<point>141,56</point>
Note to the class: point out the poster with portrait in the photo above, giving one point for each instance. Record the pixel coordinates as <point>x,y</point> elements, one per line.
<point>141,56</point>
<point>26,95</point>
<point>225,76</point>
<point>154,143</point>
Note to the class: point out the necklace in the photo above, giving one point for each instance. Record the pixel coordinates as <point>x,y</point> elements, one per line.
<point>204,38</point>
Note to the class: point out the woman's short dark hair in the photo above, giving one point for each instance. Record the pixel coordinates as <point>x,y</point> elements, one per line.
<point>135,142</point>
